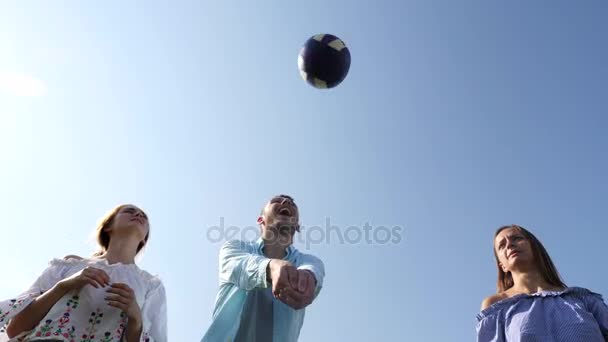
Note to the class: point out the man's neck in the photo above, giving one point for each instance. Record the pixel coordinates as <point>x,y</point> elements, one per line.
<point>274,251</point>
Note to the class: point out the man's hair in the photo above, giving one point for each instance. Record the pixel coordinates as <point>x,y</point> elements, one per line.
<point>280,196</point>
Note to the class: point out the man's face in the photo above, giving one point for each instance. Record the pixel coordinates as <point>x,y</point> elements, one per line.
<point>280,221</point>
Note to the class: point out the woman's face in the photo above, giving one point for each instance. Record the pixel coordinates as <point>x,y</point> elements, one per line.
<point>513,249</point>
<point>131,220</point>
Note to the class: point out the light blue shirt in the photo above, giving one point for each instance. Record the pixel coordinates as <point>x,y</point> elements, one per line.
<point>572,315</point>
<point>245,307</point>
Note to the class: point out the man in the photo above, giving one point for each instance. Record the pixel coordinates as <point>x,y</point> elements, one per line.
<point>265,285</point>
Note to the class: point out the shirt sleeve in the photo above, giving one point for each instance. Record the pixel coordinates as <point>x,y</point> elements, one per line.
<point>316,266</point>
<point>599,310</point>
<point>489,329</point>
<point>11,307</point>
<point>154,316</point>
<point>241,267</point>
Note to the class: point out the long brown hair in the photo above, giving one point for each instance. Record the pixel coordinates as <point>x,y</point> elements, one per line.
<point>543,262</point>
<point>103,237</point>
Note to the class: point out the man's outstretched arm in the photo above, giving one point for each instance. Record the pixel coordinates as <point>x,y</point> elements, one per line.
<point>310,281</point>
<point>241,267</point>
<point>316,267</point>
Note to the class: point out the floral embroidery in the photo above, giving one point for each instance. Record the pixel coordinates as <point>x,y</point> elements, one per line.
<point>121,326</point>
<point>68,333</point>
<point>7,309</point>
<point>95,319</point>
<point>107,337</point>
<point>62,328</point>
<point>73,302</point>
<point>87,338</point>
<point>65,319</point>
<point>10,306</point>
<point>14,304</point>
<point>45,330</point>
<point>73,318</point>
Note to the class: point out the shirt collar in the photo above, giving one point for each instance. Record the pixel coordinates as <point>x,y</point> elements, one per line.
<point>288,251</point>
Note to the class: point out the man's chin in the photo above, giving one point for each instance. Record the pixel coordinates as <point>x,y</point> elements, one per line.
<point>277,240</point>
<point>285,221</point>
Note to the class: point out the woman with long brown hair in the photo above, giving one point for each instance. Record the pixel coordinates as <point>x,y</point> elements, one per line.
<point>103,298</point>
<point>532,302</point>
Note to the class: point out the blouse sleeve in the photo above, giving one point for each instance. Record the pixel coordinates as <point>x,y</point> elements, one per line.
<point>489,329</point>
<point>599,310</point>
<point>11,307</point>
<point>154,315</point>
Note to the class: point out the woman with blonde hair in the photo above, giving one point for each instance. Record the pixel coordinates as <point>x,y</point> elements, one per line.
<point>532,302</point>
<point>103,298</point>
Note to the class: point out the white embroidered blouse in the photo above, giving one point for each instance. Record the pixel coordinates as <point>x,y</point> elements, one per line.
<point>84,315</point>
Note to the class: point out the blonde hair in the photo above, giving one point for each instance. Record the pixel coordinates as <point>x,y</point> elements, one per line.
<point>103,237</point>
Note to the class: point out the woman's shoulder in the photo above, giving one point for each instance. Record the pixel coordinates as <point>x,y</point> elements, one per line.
<point>495,303</point>
<point>492,299</point>
<point>153,279</point>
<point>73,259</point>
<point>582,292</point>
<point>67,260</point>
<point>509,293</point>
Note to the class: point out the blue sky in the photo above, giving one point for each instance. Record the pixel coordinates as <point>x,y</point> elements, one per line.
<point>455,118</point>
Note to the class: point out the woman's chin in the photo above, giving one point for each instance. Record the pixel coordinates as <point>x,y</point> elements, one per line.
<point>518,262</point>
